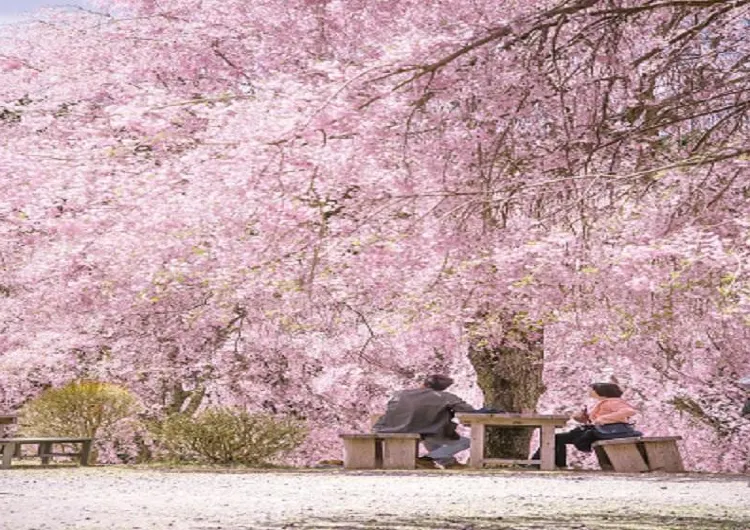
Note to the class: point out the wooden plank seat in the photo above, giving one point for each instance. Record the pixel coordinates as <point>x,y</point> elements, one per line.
<point>380,450</point>
<point>638,454</point>
<point>10,447</point>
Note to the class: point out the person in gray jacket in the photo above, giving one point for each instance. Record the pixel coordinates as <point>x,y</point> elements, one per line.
<point>428,411</point>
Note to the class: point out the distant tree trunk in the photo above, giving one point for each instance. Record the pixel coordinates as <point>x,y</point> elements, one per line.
<point>508,355</point>
<point>184,401</point>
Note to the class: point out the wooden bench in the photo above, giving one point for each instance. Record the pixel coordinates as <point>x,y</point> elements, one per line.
<point>380,450</point>
<point>640,454</point>
<point>10,447</point>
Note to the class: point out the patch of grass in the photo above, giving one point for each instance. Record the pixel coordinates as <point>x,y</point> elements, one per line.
<point>588,522</point>
<point>172,466</point>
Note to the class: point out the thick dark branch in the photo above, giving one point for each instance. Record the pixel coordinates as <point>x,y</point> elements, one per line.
<point>543,22</point>
<point>662,5</point>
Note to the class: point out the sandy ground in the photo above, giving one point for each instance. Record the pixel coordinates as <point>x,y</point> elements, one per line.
<point>128,498</point>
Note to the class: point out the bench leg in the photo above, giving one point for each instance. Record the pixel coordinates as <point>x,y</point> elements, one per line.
<point>8,450</point>
<point>360,454</point>
<point>378,454</point>
<point>399,454</point>
<point>663,456</point>
<point>85,453</point>
<point>625,458</point>
<point>604,462</point>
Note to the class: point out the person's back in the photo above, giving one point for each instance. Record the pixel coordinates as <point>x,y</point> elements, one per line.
<point>428,411</point>
<point>422,410</point>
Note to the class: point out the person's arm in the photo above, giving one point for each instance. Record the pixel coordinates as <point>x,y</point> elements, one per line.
<point>456,404</point>
<point>582,416</point>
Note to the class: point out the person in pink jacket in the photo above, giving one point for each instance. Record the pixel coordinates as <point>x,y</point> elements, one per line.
<point>608,419</point>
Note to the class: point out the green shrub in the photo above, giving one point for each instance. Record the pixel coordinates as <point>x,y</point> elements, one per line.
<point>78,409</point>
<point>228,436</point>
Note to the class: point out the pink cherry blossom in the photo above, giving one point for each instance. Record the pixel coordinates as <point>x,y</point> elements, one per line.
<point>301,206</point>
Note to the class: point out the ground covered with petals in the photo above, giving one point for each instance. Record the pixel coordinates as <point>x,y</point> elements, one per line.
<point>128,498</point>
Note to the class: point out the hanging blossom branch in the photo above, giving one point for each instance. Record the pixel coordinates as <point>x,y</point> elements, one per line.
<point>651,172</point>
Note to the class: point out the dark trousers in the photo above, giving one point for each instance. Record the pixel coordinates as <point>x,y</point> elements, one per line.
<point>580,437</point>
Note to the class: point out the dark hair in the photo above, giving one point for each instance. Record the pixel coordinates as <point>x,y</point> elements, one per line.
<point>607,390</point>
<point>438,382</point>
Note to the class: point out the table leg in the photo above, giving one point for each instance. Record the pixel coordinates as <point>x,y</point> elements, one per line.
<point>45,448</point>
<point>547,448</point>
<point>85,452</point>
<point>8,450</point>
<point>476,454</point>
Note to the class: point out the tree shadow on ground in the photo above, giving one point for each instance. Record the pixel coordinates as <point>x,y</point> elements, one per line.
<point>588,522</point>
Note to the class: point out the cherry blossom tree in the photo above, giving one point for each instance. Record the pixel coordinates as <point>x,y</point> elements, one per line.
<point>298,206</point>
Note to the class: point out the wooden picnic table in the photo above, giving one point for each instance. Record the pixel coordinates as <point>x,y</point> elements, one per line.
<point>46,445</point>
<point>479,421</point>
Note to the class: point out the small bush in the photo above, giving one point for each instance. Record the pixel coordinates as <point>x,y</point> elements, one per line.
<point>228,436</point>
<point>78,409</point>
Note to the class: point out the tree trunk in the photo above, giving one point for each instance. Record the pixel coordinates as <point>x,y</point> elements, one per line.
<point>184,401</point>
<point>508,355</point>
